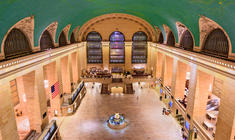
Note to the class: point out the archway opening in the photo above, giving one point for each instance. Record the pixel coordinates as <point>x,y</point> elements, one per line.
<point>187,41</point>
<point>170,40</point>
<point>72,38</point>
<point>161,38</point>
<point>62,39</point>
<point>46,41</point>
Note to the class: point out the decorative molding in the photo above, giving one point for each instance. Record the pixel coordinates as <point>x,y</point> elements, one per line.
<point>141,25</point>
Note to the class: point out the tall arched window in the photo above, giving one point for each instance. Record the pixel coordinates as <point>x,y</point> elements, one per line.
<point>94,48</point>
<point>187,41</point>
<point>139,48</point>
<point>62,39</point>
<point>117,49</point>
<point>216,44</point>
<point>46,41</point>
<point>72,38</point>
<point>170,39</point>
<point>161,39</point>
<point>16,44</point>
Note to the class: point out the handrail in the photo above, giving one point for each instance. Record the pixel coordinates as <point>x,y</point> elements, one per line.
<point>202,131</point>
<point>49,133</point>
<point>183,110</point>
<point>69,109</point>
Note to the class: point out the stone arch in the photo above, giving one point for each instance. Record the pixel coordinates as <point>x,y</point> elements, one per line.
<point>186,38</point>
<point>26,25</point>
<point>206,26</point>
<point>52,31</point>
<point>160,37</point>
<point>125,23</point>
<point>186,41</point>
<point>75,34</point>
<point>64,33</point>
<point>46,41</point>
<point>62,39</point>
<point>72,38</point>
<point>216,44</point>
<point>16,44</point>
<point>170,37</point>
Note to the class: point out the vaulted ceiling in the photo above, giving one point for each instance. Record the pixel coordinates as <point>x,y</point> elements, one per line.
<point>156,12</point>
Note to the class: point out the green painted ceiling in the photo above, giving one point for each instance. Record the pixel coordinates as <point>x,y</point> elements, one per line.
<point>156,12</point>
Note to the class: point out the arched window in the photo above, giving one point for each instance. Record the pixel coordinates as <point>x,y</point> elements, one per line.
<point>16,44</point>
<point>62,39</point>
<point>170,39</point>
<point>161,39</point>
<point>216,44</point>
<point>117,49</point>
<point>46,41</point>
<point>139,48</point>
<point>72,38</point>
<point>94,48</point>
<point>187,41</point>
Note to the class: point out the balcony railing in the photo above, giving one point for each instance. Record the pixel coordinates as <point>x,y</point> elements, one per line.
<point>227,67</point>
<point>17,63</point>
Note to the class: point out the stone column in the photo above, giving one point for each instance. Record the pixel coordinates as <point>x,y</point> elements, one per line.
<point>70,62</point>
<point>105,52</point>
<point>36,99</point>
<point>204,81</point>
<point>225,125</point>
<point>66,74</point>
<point>191,94</point>
<point>79,70</point>
<point>154,59</point>
<point>83,56</point>
<point>148,66</point>
<point>39,79</point>
<point>159,64</point>
<point>59,79</point>
<point>51,74</point>
<point>180,81</point>
<point>8,126</point>
<point>163,67</point>
<point>174,72</point>
<point>128,55</point>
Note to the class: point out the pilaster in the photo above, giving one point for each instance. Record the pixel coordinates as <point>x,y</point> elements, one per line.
<point>8,126</point>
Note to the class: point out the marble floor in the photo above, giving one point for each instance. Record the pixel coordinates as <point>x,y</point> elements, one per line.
<point>143,111</point>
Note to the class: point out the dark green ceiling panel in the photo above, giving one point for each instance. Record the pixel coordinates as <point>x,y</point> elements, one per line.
<point>156,12</point>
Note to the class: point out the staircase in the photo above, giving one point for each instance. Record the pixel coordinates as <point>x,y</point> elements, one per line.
<point>104,89</point>
<point>129,89</point>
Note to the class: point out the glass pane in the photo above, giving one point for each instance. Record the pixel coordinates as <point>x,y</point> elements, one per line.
<point>117,50</point>
<point>139,48</point>
<point>94,48</point>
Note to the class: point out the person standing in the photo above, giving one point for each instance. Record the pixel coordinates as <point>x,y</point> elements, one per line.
<point>163,110</point>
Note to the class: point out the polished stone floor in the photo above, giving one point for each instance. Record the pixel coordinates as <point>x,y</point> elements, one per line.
<point>142,110</point>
